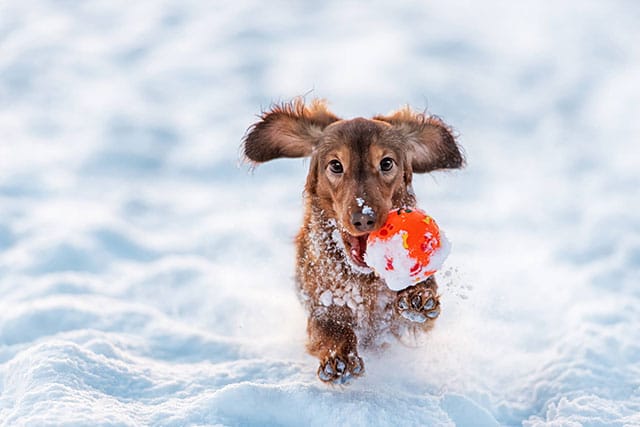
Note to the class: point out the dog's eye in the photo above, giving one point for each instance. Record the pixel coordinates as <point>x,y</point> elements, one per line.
<point>335,166</point>
<point>386,164</point>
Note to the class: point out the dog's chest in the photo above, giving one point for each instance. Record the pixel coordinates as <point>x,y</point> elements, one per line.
<point>327,277</point>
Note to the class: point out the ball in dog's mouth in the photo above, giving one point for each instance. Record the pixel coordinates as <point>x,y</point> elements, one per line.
<point>358,247</point>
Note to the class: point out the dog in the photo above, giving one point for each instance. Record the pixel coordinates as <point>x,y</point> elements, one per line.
<point>360,169</point>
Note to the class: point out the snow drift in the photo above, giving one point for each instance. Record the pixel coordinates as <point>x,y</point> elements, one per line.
<point>146,280</point>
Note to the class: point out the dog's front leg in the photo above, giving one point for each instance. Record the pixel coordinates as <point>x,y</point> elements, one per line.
<point>333,341</point>
<point>419,303</point>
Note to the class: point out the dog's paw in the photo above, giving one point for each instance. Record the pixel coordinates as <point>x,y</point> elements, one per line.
<point>340,369</point>
<point>418,303</point>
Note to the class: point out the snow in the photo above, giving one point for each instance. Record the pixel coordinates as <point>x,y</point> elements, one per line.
<point>378,254</point>
<point>326,298</point>
<point>440,255</point>
<point>147,280</point>
<point>391,260</point>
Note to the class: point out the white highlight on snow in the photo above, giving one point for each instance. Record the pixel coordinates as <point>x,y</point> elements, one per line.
<point>367,210</point>
<point>439,256</point>
<point>326,298</point>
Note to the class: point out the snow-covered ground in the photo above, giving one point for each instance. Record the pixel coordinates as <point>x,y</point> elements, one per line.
<point>145,279</point>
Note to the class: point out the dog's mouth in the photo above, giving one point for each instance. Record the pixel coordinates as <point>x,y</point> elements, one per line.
<point>357,249</point>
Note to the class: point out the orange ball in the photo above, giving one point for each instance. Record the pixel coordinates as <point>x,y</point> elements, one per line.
<point>407,249</point>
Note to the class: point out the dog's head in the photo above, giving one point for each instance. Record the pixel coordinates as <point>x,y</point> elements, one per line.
<point>360,168</point>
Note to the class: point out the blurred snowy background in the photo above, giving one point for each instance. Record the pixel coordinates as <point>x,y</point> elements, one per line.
<point>145,279</point>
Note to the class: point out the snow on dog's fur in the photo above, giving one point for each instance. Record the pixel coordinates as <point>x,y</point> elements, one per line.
<point>360,169</point>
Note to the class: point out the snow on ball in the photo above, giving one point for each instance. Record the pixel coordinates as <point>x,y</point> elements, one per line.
<point>407,249</point>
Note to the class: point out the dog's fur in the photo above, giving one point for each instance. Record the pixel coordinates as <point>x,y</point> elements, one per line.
<point>360,169</point>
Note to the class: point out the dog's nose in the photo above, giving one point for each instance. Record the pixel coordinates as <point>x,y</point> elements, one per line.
<point>363,222</point>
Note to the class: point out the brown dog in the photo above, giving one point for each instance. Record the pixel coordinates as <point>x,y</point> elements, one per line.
<point>360,169</point>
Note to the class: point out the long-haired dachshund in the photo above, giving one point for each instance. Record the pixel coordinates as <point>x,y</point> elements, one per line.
<point>360,170</point>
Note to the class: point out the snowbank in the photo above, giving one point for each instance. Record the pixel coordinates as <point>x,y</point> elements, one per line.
<point>146,280</point>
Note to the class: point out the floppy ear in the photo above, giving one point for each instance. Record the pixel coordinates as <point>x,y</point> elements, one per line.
<point>287,130</point>
<point>431,142</point>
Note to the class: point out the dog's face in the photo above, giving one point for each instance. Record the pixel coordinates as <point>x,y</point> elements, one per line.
<point>360,172</point>
<point>360,168</point>
<point>360,175</point>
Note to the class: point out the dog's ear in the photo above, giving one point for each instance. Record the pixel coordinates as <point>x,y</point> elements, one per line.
<point>432,144</point>
<point>287,130</point>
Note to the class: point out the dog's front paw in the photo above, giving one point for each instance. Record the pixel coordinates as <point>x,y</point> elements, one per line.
<point>418,303</point>
<point>340,369</point>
